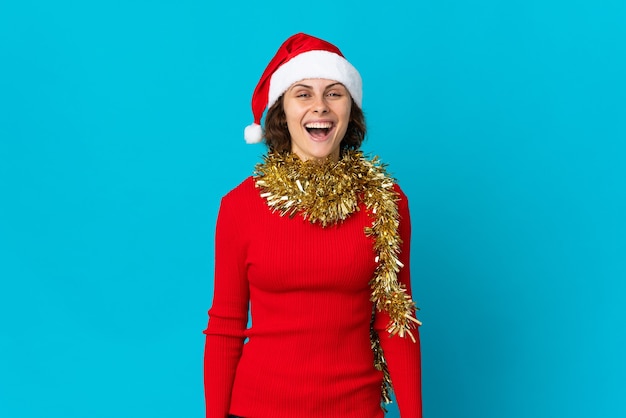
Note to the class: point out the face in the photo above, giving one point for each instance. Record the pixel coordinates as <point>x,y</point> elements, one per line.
<point>318,112</point>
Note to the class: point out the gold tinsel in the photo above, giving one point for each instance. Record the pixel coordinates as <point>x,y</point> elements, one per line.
<point>327,193</point>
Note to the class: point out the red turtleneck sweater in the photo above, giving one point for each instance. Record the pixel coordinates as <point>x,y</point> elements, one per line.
<point>307,352</point>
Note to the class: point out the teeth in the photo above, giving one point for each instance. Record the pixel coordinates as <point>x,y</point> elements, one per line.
<point>319,125</point>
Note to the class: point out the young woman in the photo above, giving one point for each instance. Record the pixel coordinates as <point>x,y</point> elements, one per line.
<point>315,245</point>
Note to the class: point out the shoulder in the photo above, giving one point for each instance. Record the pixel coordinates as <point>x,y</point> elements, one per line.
<point>244,190</point>
<point>403,200</point>
<point>398,189</point>
<point>403,205</point>
<point>243,200</point>
<point>382,169</point>
<point>235,210</point>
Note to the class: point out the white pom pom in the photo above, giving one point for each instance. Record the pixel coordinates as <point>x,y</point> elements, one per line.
<point>253,133</point>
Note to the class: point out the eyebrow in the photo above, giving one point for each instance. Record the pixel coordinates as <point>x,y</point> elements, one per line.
<point>310,87</point>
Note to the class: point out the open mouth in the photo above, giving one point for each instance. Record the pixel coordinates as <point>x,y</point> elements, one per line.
<point>319,130</point>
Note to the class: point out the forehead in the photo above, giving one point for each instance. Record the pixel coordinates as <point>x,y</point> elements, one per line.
<point>317,83</point>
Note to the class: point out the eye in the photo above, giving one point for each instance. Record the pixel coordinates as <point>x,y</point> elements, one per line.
<point>334,93</point>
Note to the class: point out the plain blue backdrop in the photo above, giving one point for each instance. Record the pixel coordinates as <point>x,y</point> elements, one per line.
<point>121,126</point>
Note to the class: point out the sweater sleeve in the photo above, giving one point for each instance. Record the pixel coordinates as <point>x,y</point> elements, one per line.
<point>402,354</point>
<point>228,316</point>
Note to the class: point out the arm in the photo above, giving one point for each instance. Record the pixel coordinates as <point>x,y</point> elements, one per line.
<point>229,312</point>
<point>402,354</point>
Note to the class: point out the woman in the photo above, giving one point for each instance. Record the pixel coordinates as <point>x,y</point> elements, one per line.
<point>316,246</point>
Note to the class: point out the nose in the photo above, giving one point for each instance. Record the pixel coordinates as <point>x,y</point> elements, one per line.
<point>320,106</point>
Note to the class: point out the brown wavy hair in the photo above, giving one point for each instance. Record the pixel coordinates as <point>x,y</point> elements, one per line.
<point>277,136</point>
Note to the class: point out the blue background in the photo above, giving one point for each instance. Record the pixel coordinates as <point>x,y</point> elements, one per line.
<point>121,125</point>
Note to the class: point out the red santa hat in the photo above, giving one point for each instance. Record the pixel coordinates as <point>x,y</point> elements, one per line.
<point>300,57</point>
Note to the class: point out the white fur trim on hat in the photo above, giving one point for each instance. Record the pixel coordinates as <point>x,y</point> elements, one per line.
<point>316,64</point>
<point>253,133</point>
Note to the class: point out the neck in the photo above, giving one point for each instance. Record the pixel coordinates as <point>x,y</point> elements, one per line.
<point>333,157</point>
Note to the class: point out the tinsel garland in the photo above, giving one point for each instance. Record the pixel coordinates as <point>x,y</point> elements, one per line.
<point>327,192</point>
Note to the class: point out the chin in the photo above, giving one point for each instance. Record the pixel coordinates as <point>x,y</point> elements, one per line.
<point>322,155</point>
